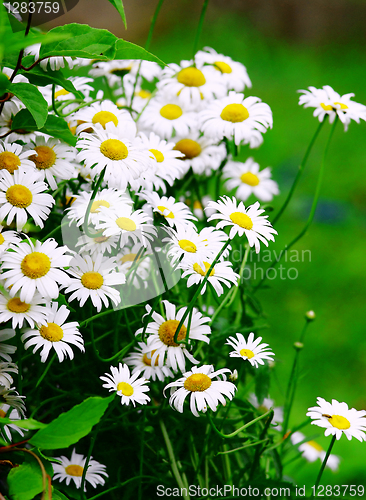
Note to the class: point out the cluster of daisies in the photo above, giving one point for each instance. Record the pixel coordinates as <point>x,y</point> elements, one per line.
<point>162,127</point>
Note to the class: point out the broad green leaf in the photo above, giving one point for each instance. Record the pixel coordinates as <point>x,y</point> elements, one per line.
<point>4,82</point>
<point>83,41</point>
<point>32,99</point>
<point>57,495</point>
<point>119,6</point>
<point>25,481</point>
<point>29,423</point>
<point>23,120</point>
<point>128,50</point>
<point>262,381</point>
<point>68,428</point>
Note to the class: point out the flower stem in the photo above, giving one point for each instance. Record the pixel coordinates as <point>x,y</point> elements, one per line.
<point>46,370</point>
<point>317,482</point>
<point>94,193</point>
<point>200,25</point>
<point>233,434</point>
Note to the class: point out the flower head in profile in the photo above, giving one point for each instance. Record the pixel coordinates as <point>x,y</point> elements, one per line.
<point>311,451</point>
<point>13,414</point>
<point>131,388</point>
<point>251,350</point>
<point>140,361</point>
<point>337,419</point>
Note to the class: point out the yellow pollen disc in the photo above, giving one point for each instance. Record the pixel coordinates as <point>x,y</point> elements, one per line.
<point>19,196</point>
<point>70,200</point>
<point>315,445</point>
<point>242,220</point>
<point>162,210</point>
<point>9,161</point>
<point>247,353</point>
<point>187,246</point>
<point>126,224</point>
<point>97,204</point>
<point>167,331</point>
<point>159,157</point>
<point>202,272</point>
<point>339,422</point>
<point>15,305</point>
<point>101,239</point>
<point>144,94</point>
<point>343,106</point>
<point>35,265</point>
<point>326,107</point>
<point>74,470</point>
<point>61,92</point>
<point>45,157</point>
<point>129,257</point>
<point>2,413</point>
<point>104,117</point>
<point>114,149</point>
<point>234,113</point>
<point>197,205</point>
<point>191,77</point>
<point>125,388</point>
<point>2,239</point>
<point>51,332</point>
<point>147,360</point>
<point>189,148</point>
<point>198,382</point>
<point>92,280</point>
<point>171,111</point>
<point>223,67</point>
<point>250,179</point>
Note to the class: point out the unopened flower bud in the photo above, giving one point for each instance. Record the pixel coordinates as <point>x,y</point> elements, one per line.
<point>233,375</point>
<point>310,316</point>
<point>298,346</point>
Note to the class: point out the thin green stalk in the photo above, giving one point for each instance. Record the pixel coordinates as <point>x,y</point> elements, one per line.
<point>312,210</point>
<point>228,436</point>
<point>317,482</point>
<point>46,370</point>
<point>141,458</point>
<point>299,172</point>
<point>94,193</point>
<point>249,445</point>
<point>115,356</point>
<point>20,354</point>
<point>200,25</point>
<point>92,318</point>
<point>55,230</point>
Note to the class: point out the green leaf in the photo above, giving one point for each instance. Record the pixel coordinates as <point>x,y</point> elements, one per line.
<point>25,481</point>
<point>57,495</point>
<point>68,428</point>
<point>262,381</point>
<point>82,41</point>
<point>119,6</point>
<point>4,82</point>
<point>29,423</point>
<point>128,50</point>
<point>33,100</point>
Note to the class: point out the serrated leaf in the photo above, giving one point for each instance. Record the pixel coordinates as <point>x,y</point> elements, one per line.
<point>29,423</point>
<point>33,100</point>
<point>262,381</point>
<point>129,50</point>
<point>119,6</point>
<point>68,428</point>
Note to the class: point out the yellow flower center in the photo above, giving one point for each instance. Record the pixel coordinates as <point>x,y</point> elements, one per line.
<point>198,382</point>
<point>197,205</point>
<point>343,106</point>
<point>315,445</point>
<point>234,113</point>
<point>19,196</point>
<point>97,204</point>
<point>129,257</point>
<point>147,360</point>
<point>250,179</point>
<point>223,67</point>
<point>114,149</point>
<point>162,210</point>
<point>159,157</point>
<point>35,265</point>
<point>2,413</point>
<point>247,353</point>
<point>125,388</point>
<point>242,220</point>
<point>74,470</point>
<point>92,280</point>
<point>202,272</point>
<point>171,111</point>
<point>15,305</point>
<point>126,224</point>
<point>51,332</point>
<point>329,107</point>
<point>103,117</point>
<point>191,77</point>
<point>339,422</point>
<point>61,92</point>
<point>45,157</point>
<point>144,94</point>
<point>2,239</point>
<point>189,148</point>
<point>167,331</point>
<point>9,161</point>
<point>187,246</point>
<point>101,239</point>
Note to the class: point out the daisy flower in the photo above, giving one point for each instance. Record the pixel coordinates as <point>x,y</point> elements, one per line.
<point>200,153</point>
<point>311,451</point>
<point>243,221</point>
<point>81,83</point>
<point>113,148</point>
<point>140,259</point>
<point>337,419</point>
<point>266,405</point>
<point>55,334</point>
<point>12,308</point>
<point>5,378</point>
<point>54,63</point>
<point>131,388</point>
<point>221,273</point>
<point>72,470</point>
<point>328,102</point>
<point>141,362</point>
<point>190,83</point>
<point>238,118</point>
<point>119,68</point>
<point>53,160</point>
<point>10,109</point>
<point>6,238</point>
<point>13,156</point>
<point>9,72</point>
<point>99,114</point>
<point>162,332</point>
<point>232,74</point>
<point>13,400</point>
<point>174,212</point>
<point>166,116</point>
<point>14,414</point>
<point>97,245</point>
<point>94,280</point>
<point>6,349</point>
<point>32,267</point>
<point>248,180</point>
<point>21,195</point>
<point>250,349</point>
<point>203,390</point>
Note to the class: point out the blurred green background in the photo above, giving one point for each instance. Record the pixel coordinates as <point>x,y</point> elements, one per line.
<point>286,46</point>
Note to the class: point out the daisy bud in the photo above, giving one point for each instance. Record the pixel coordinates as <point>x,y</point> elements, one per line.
<point>310,316</point>
<point>233,376</point>
<point>298,346</point>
